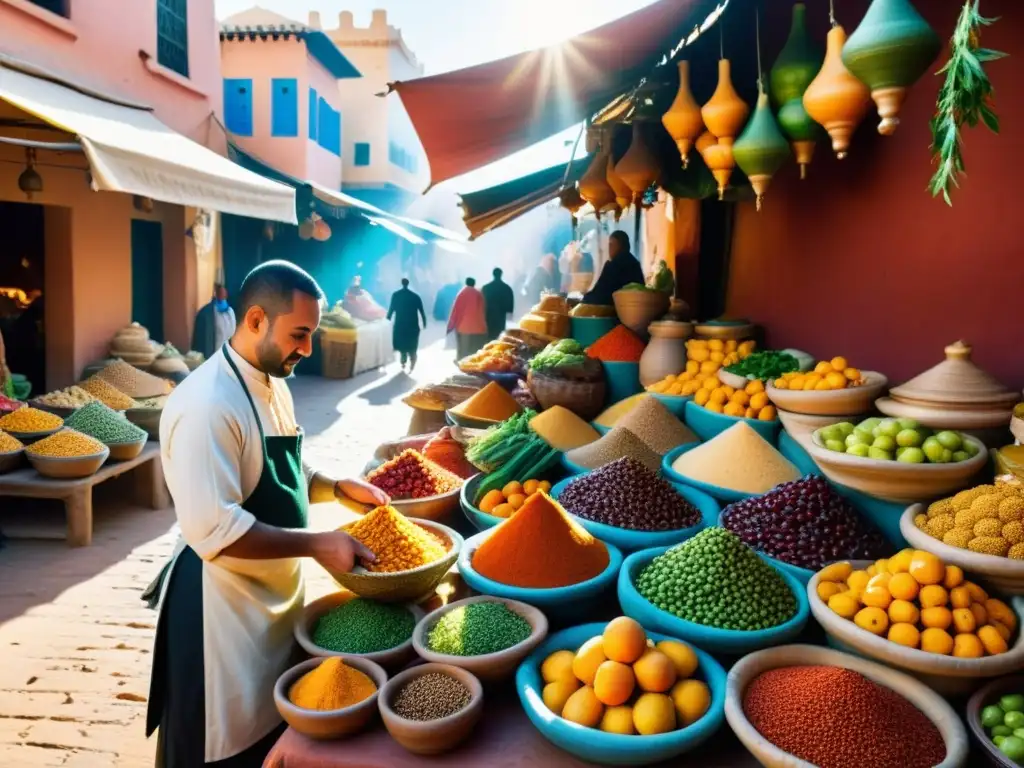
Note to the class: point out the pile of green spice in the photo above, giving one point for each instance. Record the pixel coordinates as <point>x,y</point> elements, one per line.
<point>716,580</point>
<point>431,697</point>
<point>363,626</point>
<point>478,629</point>
<point>104,424</point>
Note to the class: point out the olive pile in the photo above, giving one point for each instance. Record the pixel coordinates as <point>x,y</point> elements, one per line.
<point>626,494</point>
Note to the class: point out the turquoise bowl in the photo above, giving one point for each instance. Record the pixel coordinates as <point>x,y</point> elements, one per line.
<point>803,575</point>
<point>724,495</point>
<point>573,469</point>
<point>623,381</point>
<point>566,603</point>
<point>480,520</point>
<point>587,330</point>
<point>596,746</point>
<point>795,453</point>
<point>631,541</point>
<point>601,430</point>
<point>707,424</point>
<point>675,403</point>
<point>726,642</point>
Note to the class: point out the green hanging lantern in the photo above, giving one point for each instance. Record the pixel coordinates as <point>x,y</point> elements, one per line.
<point>890,50</point>
<point>761,149</point>
<point>797,66</point>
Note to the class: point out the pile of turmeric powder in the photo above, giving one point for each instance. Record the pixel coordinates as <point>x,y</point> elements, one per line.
<point>396,541</point>
<point>331,686</point>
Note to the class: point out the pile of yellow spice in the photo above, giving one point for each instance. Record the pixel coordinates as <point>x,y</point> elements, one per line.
<point>988,519</point>
<point>9,443</point>
<point>66,444</point>
<point>29,420</point>
<point>398,543</point>
<point>331,686</point>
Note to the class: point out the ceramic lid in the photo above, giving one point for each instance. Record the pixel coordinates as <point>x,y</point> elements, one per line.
<point>671,329</point>
<point>956,381</point>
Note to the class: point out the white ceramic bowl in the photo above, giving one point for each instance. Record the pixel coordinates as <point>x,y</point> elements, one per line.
<point>1004,574</point>
<point>894,480</point>
<point>933,706</point>
<point>835,402</point>
<point>801,425</point>
<point>948,675</point>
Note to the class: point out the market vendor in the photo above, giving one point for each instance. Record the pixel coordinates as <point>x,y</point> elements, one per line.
<point>621,269</point>
<point>231,452</point>
<point>215,323</point>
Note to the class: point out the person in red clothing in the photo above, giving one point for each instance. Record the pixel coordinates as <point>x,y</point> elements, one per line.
<point>469,320</point>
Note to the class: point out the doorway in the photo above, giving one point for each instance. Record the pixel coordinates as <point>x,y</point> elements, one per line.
<point>22,257</point>
<point>148,277</point>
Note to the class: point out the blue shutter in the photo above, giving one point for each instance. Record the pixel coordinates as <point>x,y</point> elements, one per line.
<point>329,128</point>
<point>238,106</point>
<point>284,107</point>
<point>362,153</point>
<point>313,103</point>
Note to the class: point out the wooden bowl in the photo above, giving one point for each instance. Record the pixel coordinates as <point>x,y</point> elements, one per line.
<point>947,675</point>
<point>11,460</point>
<point>933,706</point>
<point>392,658</point>
<point>431,737</point>
<point>836,402</point>
<point>127,451</point>
<point>584,398</point>
<point>430,508</point>
<point>989,694</point>
<point>1004,574</point>
<point>638,309</point>
<point>332,724</point>
<point>146,418</point>
<point>68,468</point>
<point>490,666</point>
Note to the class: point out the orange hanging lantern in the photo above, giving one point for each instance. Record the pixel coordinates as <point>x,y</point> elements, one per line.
<point>836,98</point>
<point>684,121</point>
<point>623,193</point>
<point>321,229</point>
<point>638,168</point>
<point>570,199</point>
<point>724,115</point>
<point>705,140</point>
<point>594,187</point>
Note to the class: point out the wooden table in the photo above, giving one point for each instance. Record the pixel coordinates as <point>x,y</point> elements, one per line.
<point>77,494</point>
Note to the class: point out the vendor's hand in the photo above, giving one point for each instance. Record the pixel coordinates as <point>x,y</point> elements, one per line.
<point>337,551</point>
<point>361,491</point>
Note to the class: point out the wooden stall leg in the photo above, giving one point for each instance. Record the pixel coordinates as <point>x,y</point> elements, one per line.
<point>150,489</point>
<point>78,507</point>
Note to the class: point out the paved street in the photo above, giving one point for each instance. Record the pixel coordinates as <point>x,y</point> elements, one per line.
<point>76,640</point>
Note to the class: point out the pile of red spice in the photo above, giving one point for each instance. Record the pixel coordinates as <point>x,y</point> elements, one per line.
<point>619,345</point>
<point>7,404</point>
<point>411,476</point>
<point>837,718</point>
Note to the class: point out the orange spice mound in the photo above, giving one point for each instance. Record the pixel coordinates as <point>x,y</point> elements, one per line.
<point>492,402</point>
<point>619,345</point>
<point>540,547</point>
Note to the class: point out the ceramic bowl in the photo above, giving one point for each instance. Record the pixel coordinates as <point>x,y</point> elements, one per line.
<point>675,403</point>
<point>480,520</point>
<point>431,737</point>
<point>727,642</point>
<point>587,330</point>
<point>894,480</point>
<point>147,418</point>
<point>73,468</point>
<point>631,541</point>
<point>724,495</point>
<point>749,668</point>
<point>405,586</point>
<point>27,438</point>
<point>733,380</point>
<point>11,460</point>
<point>800,425</point>
<point>948,675</point>
<point>56,410</point>
<point>392,658</point>
<point>1004,574</point>
<point>333,724</point>
<point>984,696</point>
<point>430,508</point>
<point>708,424</point>
<point>834,402</point>
<point>127,451</point>
<point>489,667</point>
<point>567,603</point>
<point>623,381</point>
<point>596,746</point>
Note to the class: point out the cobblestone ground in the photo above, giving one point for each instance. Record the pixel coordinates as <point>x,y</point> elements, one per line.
<point>76,640</point>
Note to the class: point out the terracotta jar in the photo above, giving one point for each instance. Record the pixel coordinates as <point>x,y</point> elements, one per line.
<point>666,352</point>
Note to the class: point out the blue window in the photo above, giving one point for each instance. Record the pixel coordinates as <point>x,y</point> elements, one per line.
<point>329,128</point>
<point>238,106</point>
<point>362,153</point>
<point>404,159</point>
<point>284,107</point>
<point>313,104</point>
<point>172,35</point>
<point>59,7</point>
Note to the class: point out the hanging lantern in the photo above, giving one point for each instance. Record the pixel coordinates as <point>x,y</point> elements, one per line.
<point>638,168</point>
<point>594,187</point>
<point>725,113</point>
<point>570,199</point>
<point>623,193</point>
<point>321,229</point>
<point>593,139</point>
<point>704,141</point>
<point>762,149</point>
<point>835,98</point>
<point>30,182</point>
<point>683,121</point>
<point>720,161</point>
<point>793,71</point>
<point>890,50</point>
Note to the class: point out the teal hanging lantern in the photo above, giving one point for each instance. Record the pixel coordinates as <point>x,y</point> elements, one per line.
<point>890,51</point>
<point>795,68</point>
<point>761,150</point>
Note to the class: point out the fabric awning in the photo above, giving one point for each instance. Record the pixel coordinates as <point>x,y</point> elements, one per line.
<point>131,151</point>
<point>471,117</point>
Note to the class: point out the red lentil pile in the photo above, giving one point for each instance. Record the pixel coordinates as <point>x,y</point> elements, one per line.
<point>619,345</point>
<point>837,718</point>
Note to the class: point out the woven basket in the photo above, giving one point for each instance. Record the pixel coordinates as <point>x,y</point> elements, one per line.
<point>405,586</point>
<point>584,398</point>
<point>339,358</point>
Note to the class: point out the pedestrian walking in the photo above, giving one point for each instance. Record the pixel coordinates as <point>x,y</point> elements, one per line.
<point>499,303</point>
<point>407,310</point>
<point>468,320</point>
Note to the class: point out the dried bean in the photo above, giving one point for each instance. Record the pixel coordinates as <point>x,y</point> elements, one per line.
<point>431,697</point>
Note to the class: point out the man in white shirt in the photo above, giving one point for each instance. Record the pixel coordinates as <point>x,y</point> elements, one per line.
<point>231,452</point>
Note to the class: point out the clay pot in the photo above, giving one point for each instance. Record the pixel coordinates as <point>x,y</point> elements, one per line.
<point>666,353</point>
<point>638,309</point>
<point>431,737</point>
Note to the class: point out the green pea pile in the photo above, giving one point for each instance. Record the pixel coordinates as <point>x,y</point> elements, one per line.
<point>477,629</point>
<point>104,424</point>
<point>363,626</point>
<point>716,580</point>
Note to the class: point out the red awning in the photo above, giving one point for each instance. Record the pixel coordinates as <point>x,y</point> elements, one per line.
<point>471,117</point>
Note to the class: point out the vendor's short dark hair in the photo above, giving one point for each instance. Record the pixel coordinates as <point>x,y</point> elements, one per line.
<point>470,282</point>
<point>622,237</point>
<point>497,273</point>
<point>405,282</point>
<point>272,286</point>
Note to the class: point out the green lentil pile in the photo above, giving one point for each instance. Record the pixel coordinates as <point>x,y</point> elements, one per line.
<point>104,424</point>
<point>363,626</point>
<point>716,580</point>
<point>431,697</point>
<point>478,629</point>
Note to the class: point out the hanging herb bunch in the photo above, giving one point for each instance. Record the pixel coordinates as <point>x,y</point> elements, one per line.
<point>965,98</point>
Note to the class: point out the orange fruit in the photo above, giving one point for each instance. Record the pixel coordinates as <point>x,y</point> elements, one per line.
<point>613,683</point>
<point>926,568</point>
<point>858,580</point>
<point>503,510</point>
<point>954,577</point>
<point>978,594</point>
<point>903,612</point>
<point>992,640</point>
<point>654,713</point>
<point>839,363</point>
<point>624,640</point>
<point>999,611</point>
<point>491,501</point>
<point>530,487</point>
<point>881,577</point>
<point>655,672</point>
<point>516,500</point>
<point>968,646</point>
<point>584,708</point>
<point>935,640</point>
<point>872,619</point>
<point>828,588</point>
<point>938,617</point>
<point>618,720</point>
<point>692,698</point>
<point>900,562</point>
<point>512,488</point>
<point>964,621</point>
<point>844,604</point>
<point>544,486</point>
<point>904,634</point>
<point>876,597</point>
<point>980,614</point>
<point>557,693</point>
<point>588,658</point>
<point>1002,629</point>
<point>558,666</point>
<point>682,656</point>
<point>933,596</point>
<point>960,597</point>
<point>903,586</point>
